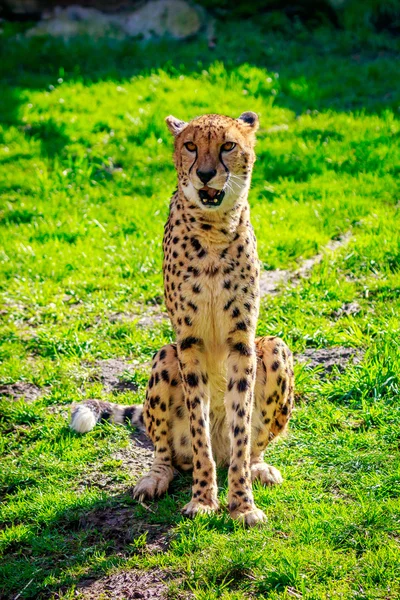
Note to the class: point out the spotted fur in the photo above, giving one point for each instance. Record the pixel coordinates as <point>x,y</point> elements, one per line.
<point>218,394</point>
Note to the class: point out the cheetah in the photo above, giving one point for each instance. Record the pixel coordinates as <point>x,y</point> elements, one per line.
<point>218,395</point>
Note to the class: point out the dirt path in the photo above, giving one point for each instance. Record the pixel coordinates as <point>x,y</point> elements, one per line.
<point>271,282</point>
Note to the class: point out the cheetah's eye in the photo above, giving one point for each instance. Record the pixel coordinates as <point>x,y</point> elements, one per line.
<point>190,146</point>
<point>228,146</point>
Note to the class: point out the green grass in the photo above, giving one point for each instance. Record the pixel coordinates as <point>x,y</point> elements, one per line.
<point>85,178</point>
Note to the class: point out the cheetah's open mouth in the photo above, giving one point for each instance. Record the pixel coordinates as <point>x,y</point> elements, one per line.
<point>210,196</point>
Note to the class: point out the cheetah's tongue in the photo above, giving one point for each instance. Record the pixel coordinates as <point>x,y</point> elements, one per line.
<point>211,197</point>
<point>211,192</point>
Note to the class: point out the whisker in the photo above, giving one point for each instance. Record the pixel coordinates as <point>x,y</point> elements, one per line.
<point>237,177</point>
<point>235,183</point>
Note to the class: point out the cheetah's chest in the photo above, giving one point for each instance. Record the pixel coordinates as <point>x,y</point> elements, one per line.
<point>211,300</point>
<point>210,281</point>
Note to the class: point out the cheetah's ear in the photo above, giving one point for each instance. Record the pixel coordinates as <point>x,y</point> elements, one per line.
<point>176,126</point>
<point>250,119</point>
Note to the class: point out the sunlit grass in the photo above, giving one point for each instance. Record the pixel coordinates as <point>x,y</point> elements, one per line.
<point>85,177</point>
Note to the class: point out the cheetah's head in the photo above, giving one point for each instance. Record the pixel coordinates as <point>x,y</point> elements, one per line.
<point>214,157</point>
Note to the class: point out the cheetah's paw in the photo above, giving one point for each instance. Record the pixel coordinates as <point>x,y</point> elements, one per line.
<point>152,484</point>
<point>266,474</point>
<point>250,518</point>
<point>194,507</point>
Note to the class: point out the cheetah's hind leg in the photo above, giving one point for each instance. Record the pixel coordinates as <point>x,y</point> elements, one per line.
<point>156,415</point>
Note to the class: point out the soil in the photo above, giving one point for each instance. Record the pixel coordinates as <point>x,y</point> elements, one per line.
<point>110,372</point>
<point>126,585</point>
<point>271,281</point>
<point>137,458</point>
<point>119,527</point>
<point>153,314</point>
<point>347,310</point>
<point>153,317</point>
<point>22,389</point>
<point>328,358</point>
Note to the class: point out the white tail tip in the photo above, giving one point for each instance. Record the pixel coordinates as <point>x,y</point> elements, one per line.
<point>82,419</point>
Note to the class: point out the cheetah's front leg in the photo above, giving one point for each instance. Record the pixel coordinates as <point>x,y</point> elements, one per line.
<point>195,384</point>
<point>239,403</point>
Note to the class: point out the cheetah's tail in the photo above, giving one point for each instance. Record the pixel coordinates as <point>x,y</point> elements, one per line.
<point>85,415</point>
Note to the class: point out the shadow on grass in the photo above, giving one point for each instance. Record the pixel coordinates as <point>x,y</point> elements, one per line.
<point>319,70</point>
<point>51,136</point>
<point>84,542</point>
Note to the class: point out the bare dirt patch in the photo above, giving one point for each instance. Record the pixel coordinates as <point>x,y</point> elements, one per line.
<point>126,585</point>
<point>152,315</point>
<point>139,456</point>
<point>272,281</point>
<point>347,310</point>
<point>22,389</point>
<point>329,358</point>
<point>119,527</point>
<point>111,372</point>
<point>136,459</point>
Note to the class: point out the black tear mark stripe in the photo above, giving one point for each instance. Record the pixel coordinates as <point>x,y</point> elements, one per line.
<point>223,164</point>
<point>194,162</point>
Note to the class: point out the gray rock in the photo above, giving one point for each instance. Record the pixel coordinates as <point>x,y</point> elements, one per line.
<point>174,18</point>
<point>157,18</point>
<point>77,20</point>
<point>22,7</point>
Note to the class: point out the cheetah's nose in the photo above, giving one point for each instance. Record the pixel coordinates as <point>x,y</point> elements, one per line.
<point>205,176</point>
